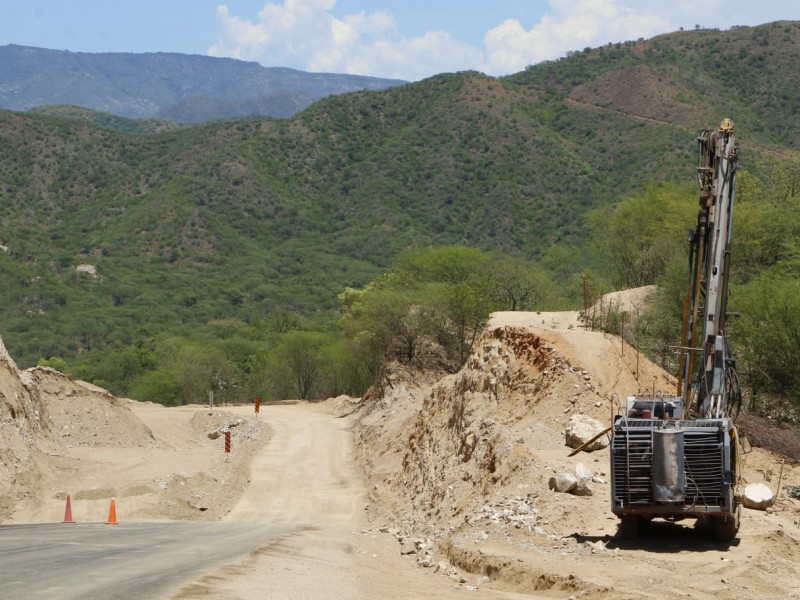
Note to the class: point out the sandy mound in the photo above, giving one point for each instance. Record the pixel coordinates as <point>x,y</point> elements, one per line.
<point>341,406</point>
<point>82,414</point>
<point>631,301</point>
<point>62,437</point>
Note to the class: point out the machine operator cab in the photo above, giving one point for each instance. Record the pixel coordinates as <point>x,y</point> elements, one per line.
<point>655,407</point>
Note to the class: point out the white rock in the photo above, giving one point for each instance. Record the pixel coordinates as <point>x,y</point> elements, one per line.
<point>565,482</point>
<point>597,546</point>
<point>582,488</point>
<point>90,270</point>
<point>584,472</point>
<point>426,561</point>
<point>757,496</point>
<point>582,428</point>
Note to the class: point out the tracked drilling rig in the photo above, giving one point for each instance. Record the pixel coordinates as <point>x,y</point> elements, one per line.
<point>677,457</point>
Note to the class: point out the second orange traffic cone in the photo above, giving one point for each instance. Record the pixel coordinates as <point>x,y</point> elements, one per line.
<point>112,513</point>
<point>68,512</point>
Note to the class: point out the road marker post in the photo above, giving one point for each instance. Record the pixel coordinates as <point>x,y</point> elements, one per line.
<point>258,404</point>
<point>227,442</point>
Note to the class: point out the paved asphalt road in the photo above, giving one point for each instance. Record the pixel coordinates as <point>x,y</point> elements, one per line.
<point>129,561</point>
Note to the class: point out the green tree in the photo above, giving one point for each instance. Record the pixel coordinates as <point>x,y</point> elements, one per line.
<point>386,320</point>
<point>159,386</point>
<point>517,285</point>
<point>188,363</point>
<point>258,382</point>
<point>54,362</point>
<point>460,288</point>
<point>221,375</point>
<point>116,368</point>
<point>345,374</point>
<point>442,295</point>
<point>766,224</point>
<point>768,335</point>
<point>302,357</point>
<point>658,330</point>
<point>638,236</point>
<point>446,264</point>
<point>765,264</point>
<point>781,178</point>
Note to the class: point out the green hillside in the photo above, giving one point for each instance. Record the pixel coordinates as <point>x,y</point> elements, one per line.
<point>106,120</point>
<point>245,218</point>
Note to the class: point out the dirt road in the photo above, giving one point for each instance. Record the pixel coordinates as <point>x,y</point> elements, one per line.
<point>306,476</point>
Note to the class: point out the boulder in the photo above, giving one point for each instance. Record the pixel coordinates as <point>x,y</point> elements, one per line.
<point>564,483</point>
<point>581,429</point>
<point>757,496</point>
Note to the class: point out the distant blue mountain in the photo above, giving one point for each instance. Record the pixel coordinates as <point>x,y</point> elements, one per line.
<point>182,88</point>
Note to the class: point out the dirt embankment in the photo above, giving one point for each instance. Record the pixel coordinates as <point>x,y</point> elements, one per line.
<point>461,463</point>
<point>62,437</point>
<point>25,431</point>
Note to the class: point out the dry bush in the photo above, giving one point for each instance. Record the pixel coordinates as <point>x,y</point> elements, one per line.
<point>769,435</point>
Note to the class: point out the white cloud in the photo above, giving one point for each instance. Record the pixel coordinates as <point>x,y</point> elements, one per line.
<point>570,25</point>
<point>305,35</point>
<point>242,37</point>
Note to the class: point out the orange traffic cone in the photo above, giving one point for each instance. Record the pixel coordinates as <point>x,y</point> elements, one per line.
<point>112,513</point>
<point>68,512</point>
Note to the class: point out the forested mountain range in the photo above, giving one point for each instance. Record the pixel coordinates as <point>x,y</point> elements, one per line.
<point>243,218</point>
<point>180,88</point>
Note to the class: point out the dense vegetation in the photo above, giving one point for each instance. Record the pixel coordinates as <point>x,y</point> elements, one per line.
<point>292,258</point>
<point>641,242</point>
<point>104,120</point>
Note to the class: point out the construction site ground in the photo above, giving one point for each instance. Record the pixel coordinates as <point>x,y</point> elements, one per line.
<point>431,486</point>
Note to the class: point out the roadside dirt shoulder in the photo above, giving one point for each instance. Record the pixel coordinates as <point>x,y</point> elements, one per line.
<point>306,476</point>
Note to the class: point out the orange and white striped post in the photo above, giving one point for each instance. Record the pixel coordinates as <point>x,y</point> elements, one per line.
<point>227,442</point>
<point>258,404</point>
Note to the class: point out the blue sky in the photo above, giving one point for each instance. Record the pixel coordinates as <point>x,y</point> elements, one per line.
<point>406,39</point>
